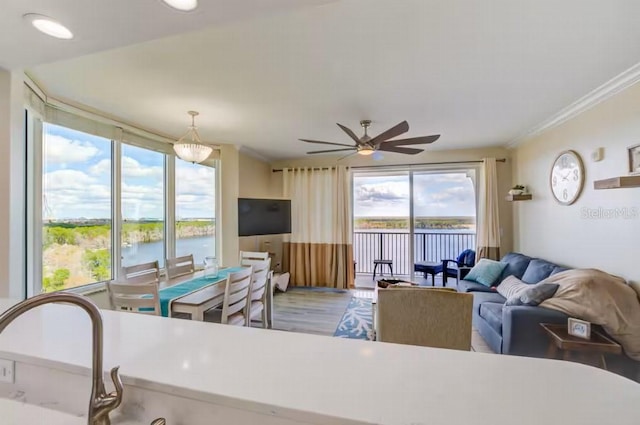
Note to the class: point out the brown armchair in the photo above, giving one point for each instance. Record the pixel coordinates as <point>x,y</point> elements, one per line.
<point>423,316</point>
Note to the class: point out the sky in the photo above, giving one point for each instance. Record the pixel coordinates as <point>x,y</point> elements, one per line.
<point>435,195</point>
<point>77,180</point>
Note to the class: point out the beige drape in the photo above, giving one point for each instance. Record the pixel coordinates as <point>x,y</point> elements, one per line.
<point>488,216</point>
<point>319,251</point>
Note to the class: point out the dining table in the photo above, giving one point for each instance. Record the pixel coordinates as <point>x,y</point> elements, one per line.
<point>195,293</point>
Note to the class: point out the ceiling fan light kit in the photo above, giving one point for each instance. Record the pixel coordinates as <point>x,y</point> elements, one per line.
<point>366,145</point>
<point>190,147</point>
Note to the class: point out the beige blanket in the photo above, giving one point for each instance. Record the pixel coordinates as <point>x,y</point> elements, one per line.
<point>600,298</point>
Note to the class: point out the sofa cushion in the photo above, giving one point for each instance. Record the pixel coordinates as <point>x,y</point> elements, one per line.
<point>558,269</point>
<point>470,286</point>
<point>492,314</point>
<point>534,294</point>
<point>487,272</point>
<point>512,287</point>
<point>480,298</point>
<point>538,270</point>
<point>516,265</point>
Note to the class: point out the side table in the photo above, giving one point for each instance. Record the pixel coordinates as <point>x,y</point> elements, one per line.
<point>562,345</point>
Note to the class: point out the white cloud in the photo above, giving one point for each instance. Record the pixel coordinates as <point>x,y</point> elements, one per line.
<point>132,168</point>
<point>73,194</point>
<point>103,167</point>
<point>60,150</point>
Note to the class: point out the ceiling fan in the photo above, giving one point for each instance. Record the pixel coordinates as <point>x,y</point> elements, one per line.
<point>367,145</point>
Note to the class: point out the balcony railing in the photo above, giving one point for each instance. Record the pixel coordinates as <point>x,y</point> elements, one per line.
<point>428,246</point>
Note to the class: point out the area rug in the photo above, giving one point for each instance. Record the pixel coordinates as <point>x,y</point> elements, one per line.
<point>356,323</point>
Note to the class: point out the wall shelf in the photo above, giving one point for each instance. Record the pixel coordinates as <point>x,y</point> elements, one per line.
<point>617,182</point>
<point>523,197</point>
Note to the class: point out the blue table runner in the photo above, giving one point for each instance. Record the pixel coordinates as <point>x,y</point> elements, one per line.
<point>180,289</point>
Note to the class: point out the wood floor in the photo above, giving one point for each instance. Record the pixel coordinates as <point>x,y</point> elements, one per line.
<point>308,311</point>
<point>316,312</point>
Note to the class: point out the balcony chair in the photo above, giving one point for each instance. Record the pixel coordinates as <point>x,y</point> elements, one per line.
<point>457,268</point>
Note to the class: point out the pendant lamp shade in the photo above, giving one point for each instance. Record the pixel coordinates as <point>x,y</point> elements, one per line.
<point>190,147</point>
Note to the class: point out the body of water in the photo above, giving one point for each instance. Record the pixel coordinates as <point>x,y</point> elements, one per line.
<point>199,246</point>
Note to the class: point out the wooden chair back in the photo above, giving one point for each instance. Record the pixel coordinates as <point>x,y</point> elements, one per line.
<point>258,293</point>
<point>142,273</point>
<point>236,297</point>
<point>419,316</point>
<point>180,266</point>
<point>134,297</point>
<point>250,258</point>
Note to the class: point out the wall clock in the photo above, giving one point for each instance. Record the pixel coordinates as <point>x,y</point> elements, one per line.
<point>567,177</point>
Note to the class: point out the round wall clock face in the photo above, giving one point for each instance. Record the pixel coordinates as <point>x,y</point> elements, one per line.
<point>567,177</point>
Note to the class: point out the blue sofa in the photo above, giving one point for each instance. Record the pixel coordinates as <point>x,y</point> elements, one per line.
<point>516,329</point>
<point>513,329</point>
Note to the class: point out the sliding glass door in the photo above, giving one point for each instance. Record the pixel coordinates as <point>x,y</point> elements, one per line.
<point>381,224</point>
<point>409,216</point>
<point>444,214</point>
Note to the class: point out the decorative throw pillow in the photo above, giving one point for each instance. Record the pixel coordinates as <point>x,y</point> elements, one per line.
<point>534,294</point>
<point>512,287</point>
<point>486,272</point>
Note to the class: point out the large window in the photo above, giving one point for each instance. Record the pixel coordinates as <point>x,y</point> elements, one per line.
<point>142,206</point>
<point>76,208</point>
<point>195,210</point>
<point>98,204</point>
<point>408,216</point>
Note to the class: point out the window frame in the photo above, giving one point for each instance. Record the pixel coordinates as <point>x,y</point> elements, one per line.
<point>34,221</point>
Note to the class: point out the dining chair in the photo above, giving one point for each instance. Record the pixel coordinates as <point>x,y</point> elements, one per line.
<point>256,306</point>
<point>236,299</point>
<point>134,297</point>
<point>180,266</point>
<point>424,316</point>
<point>142,273</point>
<point>249,258</point>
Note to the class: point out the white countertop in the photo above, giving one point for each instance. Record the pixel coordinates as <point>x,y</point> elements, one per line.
<point>286,374</point>
<point>18,413</point>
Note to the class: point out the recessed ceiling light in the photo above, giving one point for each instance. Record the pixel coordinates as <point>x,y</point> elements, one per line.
<point>49,26</point>
<point>183,5</point>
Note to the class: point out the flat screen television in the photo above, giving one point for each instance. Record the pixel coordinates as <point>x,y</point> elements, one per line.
<point>263,216</point>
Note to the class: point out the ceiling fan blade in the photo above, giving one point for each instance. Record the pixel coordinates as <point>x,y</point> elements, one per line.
<point>413,141</point>
<point>409,151</point>
<point>350,133</point>
<point>333,150</point>
<point>347,156</point>
<point>394,131</point>
<point>324,143</point>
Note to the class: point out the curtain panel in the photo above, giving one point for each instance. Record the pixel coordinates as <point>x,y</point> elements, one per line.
<point>319,250</point>
<point>488,215</point>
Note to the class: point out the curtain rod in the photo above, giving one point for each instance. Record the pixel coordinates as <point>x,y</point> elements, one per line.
<point>279,170</point>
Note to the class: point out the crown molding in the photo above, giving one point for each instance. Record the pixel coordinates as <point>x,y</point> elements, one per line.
<point>607,90</point>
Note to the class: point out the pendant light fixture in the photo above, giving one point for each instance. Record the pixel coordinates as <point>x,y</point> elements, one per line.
<point>190,147</point>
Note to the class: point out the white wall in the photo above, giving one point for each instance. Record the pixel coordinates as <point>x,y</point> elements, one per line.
<point>255,182</point>
<point>12,199</point>
<point>546,229</point>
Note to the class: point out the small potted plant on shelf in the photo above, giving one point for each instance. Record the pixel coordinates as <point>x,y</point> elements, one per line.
<point>517,190</point>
